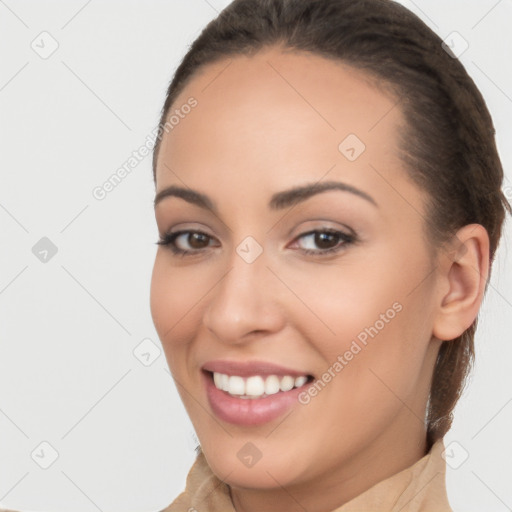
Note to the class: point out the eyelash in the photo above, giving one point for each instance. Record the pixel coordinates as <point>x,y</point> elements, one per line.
<point>168,240</point>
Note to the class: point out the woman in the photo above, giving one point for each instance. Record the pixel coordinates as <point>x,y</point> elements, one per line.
<point>328,197</point>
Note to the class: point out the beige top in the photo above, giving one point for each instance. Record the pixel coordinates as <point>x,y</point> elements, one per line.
<point>418,488</point>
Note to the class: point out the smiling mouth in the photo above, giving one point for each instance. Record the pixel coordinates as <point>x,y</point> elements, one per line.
<point>257,386</point>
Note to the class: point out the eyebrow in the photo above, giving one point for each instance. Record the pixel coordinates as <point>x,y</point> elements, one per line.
<point>278,201</point>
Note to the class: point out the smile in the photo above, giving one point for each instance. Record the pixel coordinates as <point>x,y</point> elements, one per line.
<point>256,386</point>
<point>252,393</point>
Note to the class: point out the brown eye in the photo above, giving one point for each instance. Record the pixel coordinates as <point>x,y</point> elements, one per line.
<point>324,241</point>
<point>197,240</point>
<point>186,242</point>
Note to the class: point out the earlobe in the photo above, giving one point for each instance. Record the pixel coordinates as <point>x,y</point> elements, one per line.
<point>464,272</point>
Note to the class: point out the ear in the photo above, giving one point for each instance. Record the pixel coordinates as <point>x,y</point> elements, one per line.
<point>464,273</point>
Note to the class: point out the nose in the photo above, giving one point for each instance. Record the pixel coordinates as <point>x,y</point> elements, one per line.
<point>245,303</point>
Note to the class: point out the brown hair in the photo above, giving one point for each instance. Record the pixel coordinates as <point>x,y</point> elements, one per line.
<point>448,147</point>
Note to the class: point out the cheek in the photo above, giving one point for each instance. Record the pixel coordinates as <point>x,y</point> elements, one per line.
<point>340,301</point>
<point>373,361</point>
<point>372,315</point>
<point>175,299</point>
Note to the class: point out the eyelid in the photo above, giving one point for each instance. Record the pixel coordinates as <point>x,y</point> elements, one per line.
<point>321,225</point>
<point>346,239</point>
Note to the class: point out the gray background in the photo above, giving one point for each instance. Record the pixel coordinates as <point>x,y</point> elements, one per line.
<point>69,326</point>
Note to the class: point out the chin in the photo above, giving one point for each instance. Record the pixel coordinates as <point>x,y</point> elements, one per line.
<point>255,462</point>
<point>262,475</point>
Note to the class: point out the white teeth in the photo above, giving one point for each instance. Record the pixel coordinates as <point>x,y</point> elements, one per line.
<point>272,385</point>
<point>236,385</point>
<point>256,386</point>
<point>300,381</point>
<point>224,381</point>
<point>287,383</point>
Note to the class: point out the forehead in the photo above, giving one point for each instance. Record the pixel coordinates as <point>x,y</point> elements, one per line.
<point>278,116</point>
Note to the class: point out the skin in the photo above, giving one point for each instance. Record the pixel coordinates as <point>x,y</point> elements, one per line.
<point>264,124</point>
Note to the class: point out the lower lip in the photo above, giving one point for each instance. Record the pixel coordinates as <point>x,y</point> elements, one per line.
<point>250,411</point>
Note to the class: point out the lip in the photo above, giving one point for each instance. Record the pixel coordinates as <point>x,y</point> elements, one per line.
<point>250,411</point>
<point>248,368</point>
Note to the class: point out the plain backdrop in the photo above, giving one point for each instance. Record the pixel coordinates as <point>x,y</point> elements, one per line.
<point>84,386</point>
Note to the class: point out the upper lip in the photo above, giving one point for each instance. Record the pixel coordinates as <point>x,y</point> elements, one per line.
<point>248,368</point>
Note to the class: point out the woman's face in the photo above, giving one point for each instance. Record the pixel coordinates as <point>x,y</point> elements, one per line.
<point>336,286</point>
